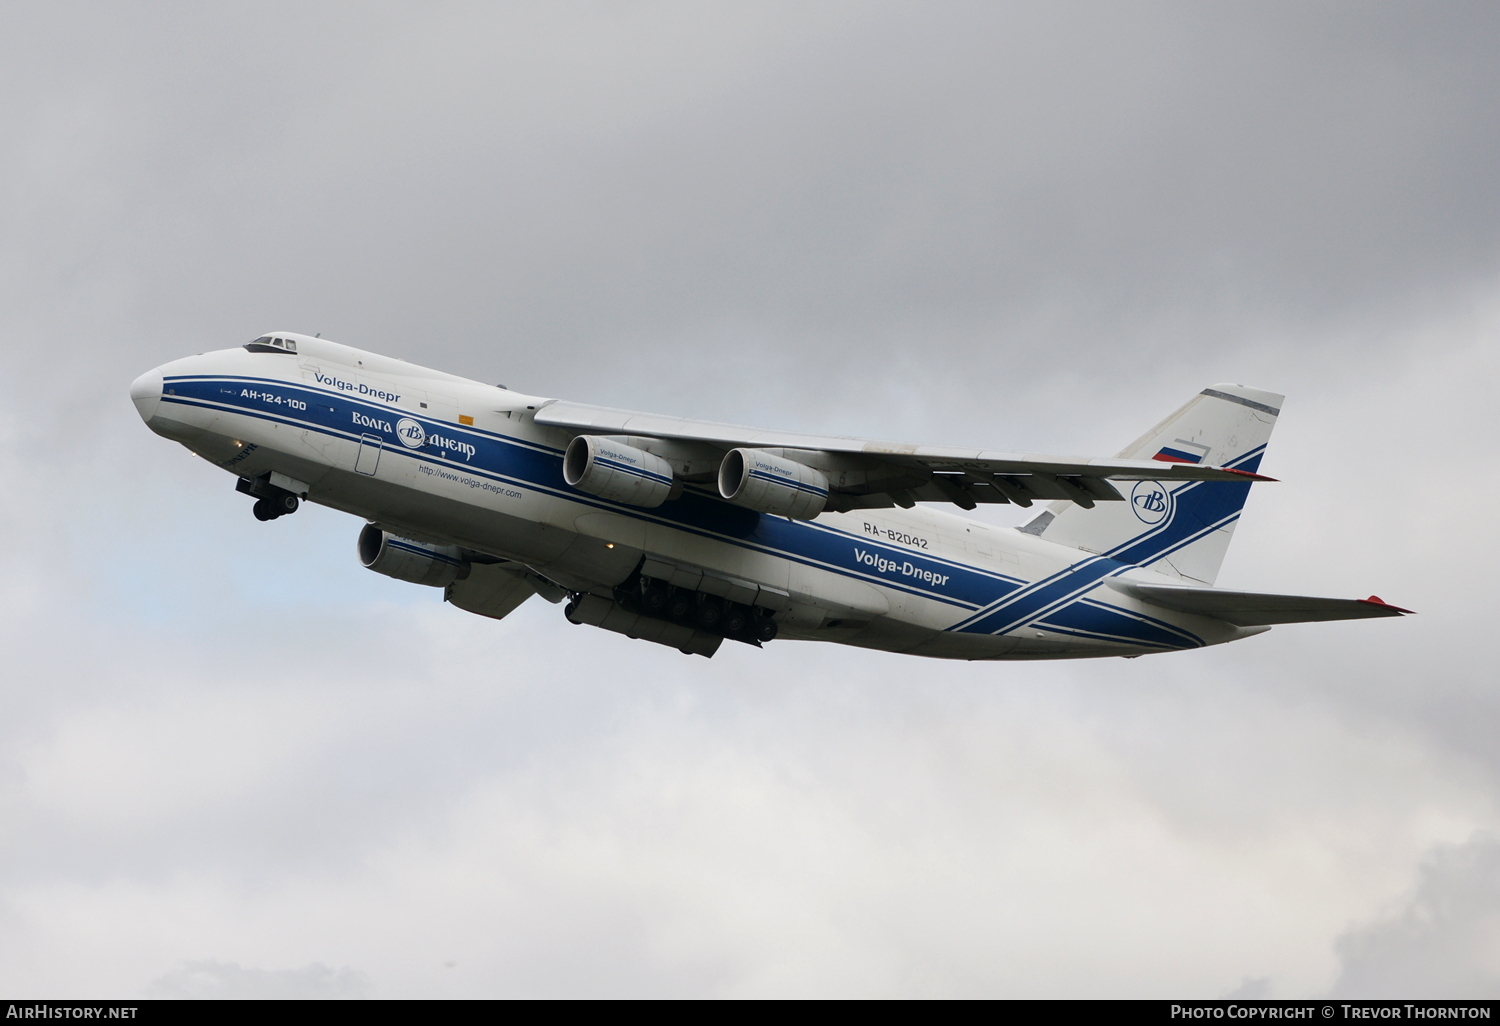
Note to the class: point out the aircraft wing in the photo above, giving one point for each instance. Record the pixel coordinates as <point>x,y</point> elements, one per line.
<point>867,474</point>
<point>1252,609</point>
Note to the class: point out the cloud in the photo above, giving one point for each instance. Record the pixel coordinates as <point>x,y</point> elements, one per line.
<point>1443,942</point>
<point>210,980</point>
<point>1028,228</point>
<point>559,813</point>
<point>1251,990</point>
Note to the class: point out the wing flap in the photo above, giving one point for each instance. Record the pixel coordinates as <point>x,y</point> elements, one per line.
<point>1254,609</point>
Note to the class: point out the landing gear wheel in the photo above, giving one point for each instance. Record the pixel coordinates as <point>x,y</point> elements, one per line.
<point>735,621</point>
<point>263,511</point>
<point>680,606</point>
<point>709,615</point>
<point>284,504</point>
<point>765,630</point>
<point>654,600</point>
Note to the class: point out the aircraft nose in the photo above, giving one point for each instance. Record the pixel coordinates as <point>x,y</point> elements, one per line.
<point>145,392</point>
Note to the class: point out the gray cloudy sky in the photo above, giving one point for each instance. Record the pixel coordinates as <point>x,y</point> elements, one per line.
<point>233,762</point>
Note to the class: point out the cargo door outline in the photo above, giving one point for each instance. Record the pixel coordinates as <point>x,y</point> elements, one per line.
<point>369,454</point>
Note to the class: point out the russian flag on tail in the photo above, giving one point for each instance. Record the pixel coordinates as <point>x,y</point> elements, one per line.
<point>1182,451</point>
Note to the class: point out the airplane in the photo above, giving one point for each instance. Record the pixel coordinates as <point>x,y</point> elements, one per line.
<point>688,533</point>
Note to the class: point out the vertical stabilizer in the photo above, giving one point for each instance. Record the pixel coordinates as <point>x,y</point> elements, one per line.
<point>1182,529</point>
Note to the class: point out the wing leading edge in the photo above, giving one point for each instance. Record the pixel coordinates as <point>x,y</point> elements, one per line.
<point>867,474</point>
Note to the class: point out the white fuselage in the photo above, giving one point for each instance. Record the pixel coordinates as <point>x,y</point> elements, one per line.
<point>451,461</point>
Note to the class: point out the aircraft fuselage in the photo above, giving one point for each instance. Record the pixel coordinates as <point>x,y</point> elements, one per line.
<point>451,461</point>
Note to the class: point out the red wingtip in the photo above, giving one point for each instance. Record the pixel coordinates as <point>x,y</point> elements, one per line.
<point>1246,473</point>
<point>1376,600</point>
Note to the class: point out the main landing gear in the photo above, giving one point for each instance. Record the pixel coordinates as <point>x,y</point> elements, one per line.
<point>270,509</point>
<point>708,613</point>
<point>270,501</point>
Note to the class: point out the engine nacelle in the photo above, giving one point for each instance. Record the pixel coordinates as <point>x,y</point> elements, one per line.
<point>417,562</point>
<point>621,473</point>
<point>771,484</point>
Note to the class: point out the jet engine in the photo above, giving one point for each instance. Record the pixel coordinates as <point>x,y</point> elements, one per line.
<point>771,484</point>
<point>618,472</point>
<point>416,562</point>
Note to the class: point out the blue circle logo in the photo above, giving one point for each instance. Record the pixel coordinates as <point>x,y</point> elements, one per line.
<point>1151,502</point>
<point>411,433</point>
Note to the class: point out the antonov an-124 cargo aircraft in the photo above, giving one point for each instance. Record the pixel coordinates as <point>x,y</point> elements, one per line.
<point>687,533</point>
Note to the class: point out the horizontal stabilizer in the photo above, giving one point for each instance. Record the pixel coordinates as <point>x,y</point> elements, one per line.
<point>1252,609</point>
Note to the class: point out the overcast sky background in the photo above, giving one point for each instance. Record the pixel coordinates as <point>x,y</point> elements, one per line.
<point>234,762</point>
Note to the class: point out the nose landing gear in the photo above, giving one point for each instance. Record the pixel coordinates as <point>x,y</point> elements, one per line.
<point>270,501</point>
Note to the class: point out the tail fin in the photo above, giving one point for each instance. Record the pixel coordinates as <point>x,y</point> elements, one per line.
<point>1180,529</point>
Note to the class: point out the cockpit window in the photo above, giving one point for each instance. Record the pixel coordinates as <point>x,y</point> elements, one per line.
<point>272,344</point>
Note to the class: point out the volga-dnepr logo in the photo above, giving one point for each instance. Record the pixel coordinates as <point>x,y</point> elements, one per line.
<point>1151,502</point>
<point>412,434</point>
